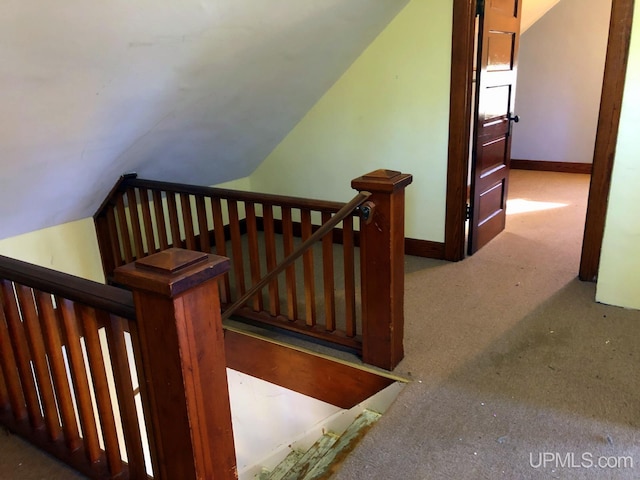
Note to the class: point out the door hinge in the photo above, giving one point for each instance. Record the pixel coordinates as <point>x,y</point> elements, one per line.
<point>468,212</point>
<point>479,7</point>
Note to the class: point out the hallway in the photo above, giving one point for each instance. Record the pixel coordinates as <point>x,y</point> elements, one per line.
<point>511,357</point>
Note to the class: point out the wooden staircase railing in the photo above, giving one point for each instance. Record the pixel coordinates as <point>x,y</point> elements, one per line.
<point>330,294</point>
<point>65,354</point>
<point>72,351</point>
<point>103,378</point>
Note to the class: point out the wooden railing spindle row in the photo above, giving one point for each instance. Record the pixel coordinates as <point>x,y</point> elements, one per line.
<point>314,299</point>
<point>213,221</point>
<point>55,367</point>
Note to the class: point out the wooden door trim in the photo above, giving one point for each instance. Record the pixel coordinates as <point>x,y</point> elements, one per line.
<point>607,135</point>
<point>460,107</point>
<point>606,138</point>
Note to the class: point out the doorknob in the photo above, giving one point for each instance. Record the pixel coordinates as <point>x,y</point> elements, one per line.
<point>514,118</point>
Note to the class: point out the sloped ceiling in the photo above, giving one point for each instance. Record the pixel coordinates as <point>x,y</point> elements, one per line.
<point>195,91</point>
<point>534,10</point>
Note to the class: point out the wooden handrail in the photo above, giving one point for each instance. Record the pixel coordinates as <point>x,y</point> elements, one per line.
<point>344,212</point>
<point>115,300</point>
<point>242,196</point>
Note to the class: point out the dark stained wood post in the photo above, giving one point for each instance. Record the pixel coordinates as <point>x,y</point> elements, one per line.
<point>382,268</point>
<point>183,360</point>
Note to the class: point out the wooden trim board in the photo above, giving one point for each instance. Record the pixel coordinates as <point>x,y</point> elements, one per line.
<point>319,377</point>
<point>547,166</point>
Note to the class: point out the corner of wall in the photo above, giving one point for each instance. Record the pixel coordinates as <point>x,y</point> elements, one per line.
<point>390,109</point>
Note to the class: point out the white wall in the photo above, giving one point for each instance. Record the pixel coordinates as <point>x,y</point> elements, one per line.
<point>389,110</point>
<point>560,71</point>
<point>619,274</point>
<point>195,91</point>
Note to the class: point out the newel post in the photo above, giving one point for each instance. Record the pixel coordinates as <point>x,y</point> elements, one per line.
<point>182,348</point>
<point>382,268</point>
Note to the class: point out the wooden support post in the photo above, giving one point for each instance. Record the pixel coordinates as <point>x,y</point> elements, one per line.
<point>185,387</point>
<point>382,268</point>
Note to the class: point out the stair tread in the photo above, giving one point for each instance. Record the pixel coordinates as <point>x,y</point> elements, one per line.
<point>285,465</point>
<point>311,457</point>
<point>343,446</point>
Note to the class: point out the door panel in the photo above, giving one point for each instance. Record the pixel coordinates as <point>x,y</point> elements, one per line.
<point>507,7</point>
<point>493,157</point>
<point>501,47</point>
<point>498,41</point>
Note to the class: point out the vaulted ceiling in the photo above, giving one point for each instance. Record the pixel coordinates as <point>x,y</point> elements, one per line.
<point>196,91</point>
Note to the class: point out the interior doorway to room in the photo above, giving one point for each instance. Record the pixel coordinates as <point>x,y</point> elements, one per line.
<point>460,131</point>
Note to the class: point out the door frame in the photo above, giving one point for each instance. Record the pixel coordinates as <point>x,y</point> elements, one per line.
<point>464,12</point>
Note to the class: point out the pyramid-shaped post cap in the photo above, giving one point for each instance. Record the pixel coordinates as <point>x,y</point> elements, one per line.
<point>171,271</point>
<point>385,181</point>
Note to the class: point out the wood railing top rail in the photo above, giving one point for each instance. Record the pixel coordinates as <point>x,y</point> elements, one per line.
<point>130,181</point>
<point>112,299</point>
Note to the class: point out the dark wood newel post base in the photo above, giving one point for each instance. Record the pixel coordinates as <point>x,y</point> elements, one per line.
<point>382,268</point>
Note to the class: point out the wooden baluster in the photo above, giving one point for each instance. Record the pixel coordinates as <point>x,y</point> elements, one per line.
<point>101,388</point>
<point>309,278</point>
<point>254,252</point>
<point>35,342</point>
<point>203,225</point>
<point>22,354</point>
<point>176,237</point>
<point>135,222</point>
<point>382,268</point>
<point>236,247</point>
<point>288,244</point>
<point>118,255</point>
<point>158,209</point>
<point>143,393</point>
<point>10,369</point>
<point>349,276</point>
<point>108,252</point>
<point>187,220</point>
<point>124,229</point>
<point>53,345</point>
<point>115,328</point>
<point>146,219</point>
<point>75,357</point>
<point>221,246</point>
<point>180,330</point>
<point>272,261</point>
<point>328,278</point>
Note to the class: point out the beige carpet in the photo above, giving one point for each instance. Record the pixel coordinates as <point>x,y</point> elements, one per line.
<point>511,359</point>
<point>518,373</point>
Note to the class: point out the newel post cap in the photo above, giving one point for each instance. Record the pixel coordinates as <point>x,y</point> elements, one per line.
<point>384,181</point>
<point>171,272</point>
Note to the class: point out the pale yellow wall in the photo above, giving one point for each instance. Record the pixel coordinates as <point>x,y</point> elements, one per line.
<point>619,275</point>
<point>243,183</point>
<point>70,248</point>
<point>389,110</point>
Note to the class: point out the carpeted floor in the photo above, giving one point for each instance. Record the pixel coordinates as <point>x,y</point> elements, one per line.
<point>517,372</point>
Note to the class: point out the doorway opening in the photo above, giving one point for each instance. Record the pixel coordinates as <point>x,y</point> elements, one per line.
<point>606,137</point>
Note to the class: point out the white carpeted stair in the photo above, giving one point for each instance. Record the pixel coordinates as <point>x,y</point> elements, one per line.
<point>324,456</point>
